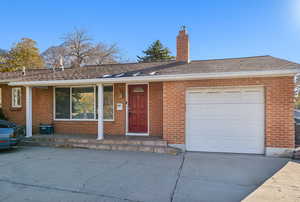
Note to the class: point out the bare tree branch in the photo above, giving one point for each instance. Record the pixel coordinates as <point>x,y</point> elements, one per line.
<point>78,49</point>
<point>104,54</point>
<point>53,55</point>
<point>79,45</point>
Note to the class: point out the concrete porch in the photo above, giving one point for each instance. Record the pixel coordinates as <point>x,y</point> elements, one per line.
<point>109,142</point>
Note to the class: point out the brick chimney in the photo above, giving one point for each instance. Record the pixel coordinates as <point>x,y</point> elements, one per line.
<point>183,46</point>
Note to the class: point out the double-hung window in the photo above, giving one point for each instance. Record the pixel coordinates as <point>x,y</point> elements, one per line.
<point>16,97</point>
<point>80,103</point>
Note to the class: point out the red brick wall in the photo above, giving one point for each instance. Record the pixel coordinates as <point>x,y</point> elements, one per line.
<point>42,112</point>
<point>279,127</point>
<point>16,115</point>
<point>279,121</point>
<point>155,109</point>
<point>76,127</point>
<point>118,126</point>
<point>174,112</point>
<point>182,46</point>
<point>42,107</point>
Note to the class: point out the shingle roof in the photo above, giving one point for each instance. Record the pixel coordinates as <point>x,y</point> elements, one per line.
<point>257,63</point>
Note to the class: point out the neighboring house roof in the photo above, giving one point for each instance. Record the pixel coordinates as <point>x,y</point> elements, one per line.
<point>154,69</point>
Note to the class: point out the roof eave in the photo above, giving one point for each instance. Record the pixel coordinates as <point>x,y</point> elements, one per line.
<point>157,78</point>
<point>6,81</point>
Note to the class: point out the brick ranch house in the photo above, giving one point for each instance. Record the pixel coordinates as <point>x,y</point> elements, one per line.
<point>237,105</point>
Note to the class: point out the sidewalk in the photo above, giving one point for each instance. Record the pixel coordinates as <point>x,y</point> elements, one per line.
<point>283,186</point>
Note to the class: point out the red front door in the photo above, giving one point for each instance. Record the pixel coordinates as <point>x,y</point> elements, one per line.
<point>138,108</point>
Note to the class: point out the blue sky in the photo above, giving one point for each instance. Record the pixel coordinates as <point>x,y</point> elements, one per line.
<point>217,28</point>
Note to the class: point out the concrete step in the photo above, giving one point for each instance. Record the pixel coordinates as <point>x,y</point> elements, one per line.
<point>104,141</point>
<point>101,146</point>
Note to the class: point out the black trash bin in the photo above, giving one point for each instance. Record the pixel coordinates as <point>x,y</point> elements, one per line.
<point>46,129</point>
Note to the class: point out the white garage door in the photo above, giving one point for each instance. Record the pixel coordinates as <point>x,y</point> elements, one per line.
<point>225,120</point>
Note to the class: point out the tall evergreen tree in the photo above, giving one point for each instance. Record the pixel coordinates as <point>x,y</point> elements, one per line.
<point>156,52</point>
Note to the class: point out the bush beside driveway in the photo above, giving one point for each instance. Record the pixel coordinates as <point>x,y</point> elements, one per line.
<point>52,174</point>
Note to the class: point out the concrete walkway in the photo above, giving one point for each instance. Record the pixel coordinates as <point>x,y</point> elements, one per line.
<point>53,174</point>
<point>283,186</point>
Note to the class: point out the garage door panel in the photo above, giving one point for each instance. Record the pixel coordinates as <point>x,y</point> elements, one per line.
<point>254,97</point>
<point>232,145</point>
<point>228,120</point>
<point>225,111</point>
<point>222,132</point>
<point>229,149</point>
<point>228,96</point>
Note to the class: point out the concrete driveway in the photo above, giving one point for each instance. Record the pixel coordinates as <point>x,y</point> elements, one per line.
<point>52,174</point>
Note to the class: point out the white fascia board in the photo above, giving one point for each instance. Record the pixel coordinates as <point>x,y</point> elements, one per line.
<point>174,77</point>
<point>6,81</point>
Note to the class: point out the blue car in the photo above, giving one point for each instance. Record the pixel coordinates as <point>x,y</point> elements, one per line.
<point>7,139</point>
<point>10,134</point>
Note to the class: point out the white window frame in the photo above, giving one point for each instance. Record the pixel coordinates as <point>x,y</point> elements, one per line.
<point>113,92</point>
<point>13,98</point>
<point>95,104</point>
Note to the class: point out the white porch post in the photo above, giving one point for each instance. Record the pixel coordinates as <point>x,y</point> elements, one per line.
<point>28,111</point>
<point>100,112</point>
